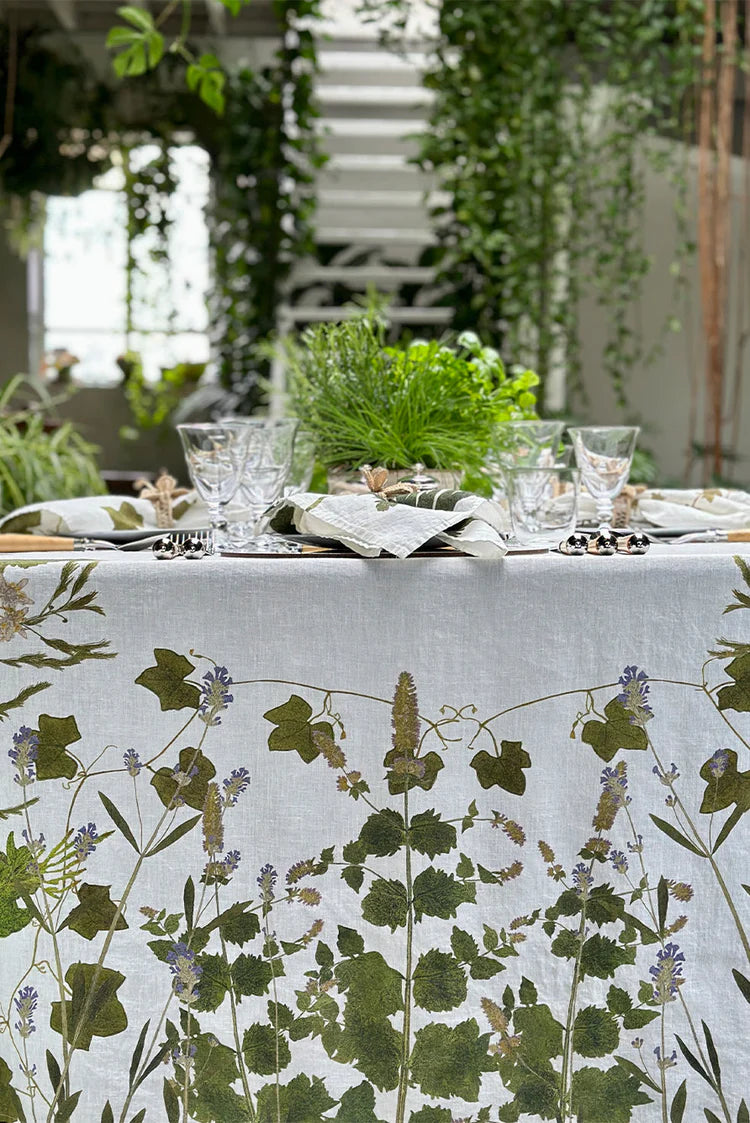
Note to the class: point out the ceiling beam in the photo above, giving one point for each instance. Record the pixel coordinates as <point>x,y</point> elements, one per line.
<point>65,12</point>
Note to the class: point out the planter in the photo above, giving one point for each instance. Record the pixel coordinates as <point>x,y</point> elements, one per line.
<point>348,481</point>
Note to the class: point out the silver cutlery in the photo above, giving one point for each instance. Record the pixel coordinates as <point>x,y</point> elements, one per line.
<point>38,543</point>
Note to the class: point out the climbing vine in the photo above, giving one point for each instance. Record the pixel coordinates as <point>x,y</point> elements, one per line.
<point>544,122</point>
<point>264,153</point>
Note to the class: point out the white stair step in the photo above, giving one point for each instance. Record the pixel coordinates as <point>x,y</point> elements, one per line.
<point>364,274</point>
<point>356,94</point>
<point>398,315</point>
<point>371,236</point>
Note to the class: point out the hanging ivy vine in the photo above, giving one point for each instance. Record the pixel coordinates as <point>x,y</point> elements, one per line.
<point>541,131</point>
<point>264,155</point>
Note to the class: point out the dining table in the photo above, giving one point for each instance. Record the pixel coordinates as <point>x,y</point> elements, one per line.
<point>437,840</point>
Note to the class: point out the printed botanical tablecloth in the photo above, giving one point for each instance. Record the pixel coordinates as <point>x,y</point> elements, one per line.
<point>294,840</point>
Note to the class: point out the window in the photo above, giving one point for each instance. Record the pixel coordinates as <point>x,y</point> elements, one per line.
<point>85,274</point>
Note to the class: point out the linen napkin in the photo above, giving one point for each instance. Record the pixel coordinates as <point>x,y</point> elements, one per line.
<point>370,525</point>
<point>688,509</point>
<point>99,514</point>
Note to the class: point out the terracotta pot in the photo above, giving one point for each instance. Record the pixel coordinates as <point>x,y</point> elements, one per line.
<point>348,481</point>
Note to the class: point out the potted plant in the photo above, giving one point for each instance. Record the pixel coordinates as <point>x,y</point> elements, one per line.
<point>39,462</point>
<point>431,404</point>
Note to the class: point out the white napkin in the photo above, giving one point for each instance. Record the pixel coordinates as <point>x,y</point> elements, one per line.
<point>688,509</point>
<point>369,525</point>
<point>97,514</point>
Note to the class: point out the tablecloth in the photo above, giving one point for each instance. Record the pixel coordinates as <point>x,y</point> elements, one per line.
<point>303,839</point>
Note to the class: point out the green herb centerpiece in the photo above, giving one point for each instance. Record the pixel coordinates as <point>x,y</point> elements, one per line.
<point>433,404</point>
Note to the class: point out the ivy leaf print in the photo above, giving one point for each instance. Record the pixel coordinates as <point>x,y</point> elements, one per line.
<point>93,1010</point>
<point>167,680</point>
<point>188,781</point>
<point>55,734</point>
<point>294,732</point>
<point>725,785</point>
<point>405,773</point>
<point>10,1102</point>
<point>504,771</point>
<point>15,883</point>
<point>736,697</point>
<point>608,737</point>
<point>125,517</point>
<point>94,913</point>
<point>449,1061</point>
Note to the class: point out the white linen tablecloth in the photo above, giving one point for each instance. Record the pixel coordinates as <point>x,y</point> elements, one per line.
<point>495,897</point>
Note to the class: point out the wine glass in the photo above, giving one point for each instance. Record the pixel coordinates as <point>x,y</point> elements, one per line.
<point>604,454</point>
<point>519,444</point>
<point>302,466</point>
<point>215,455</point>
<point>543,504</point>
<point>270,443</point>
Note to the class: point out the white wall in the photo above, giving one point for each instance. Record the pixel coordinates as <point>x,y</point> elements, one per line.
<point>660,394</point>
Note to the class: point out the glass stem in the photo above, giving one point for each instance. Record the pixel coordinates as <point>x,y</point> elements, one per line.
<point>604,509</point>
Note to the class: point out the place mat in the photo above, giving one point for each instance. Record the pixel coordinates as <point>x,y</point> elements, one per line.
<point>100,516</point>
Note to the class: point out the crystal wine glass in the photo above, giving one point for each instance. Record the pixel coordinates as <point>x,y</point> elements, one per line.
<point>215,455</point>
<point>521,444</point>
<point>270,443</point>
<point>604,454</point>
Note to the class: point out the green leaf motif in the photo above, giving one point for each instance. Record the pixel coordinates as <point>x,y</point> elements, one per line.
<point>302,1099</point>
<point>432,1115</point>
<point>214,982</point>
<point>437,893</point>
<point>675,835</point>
<point>294,732</point>
<point>600,957</point>
<point>125,517</point>
<point>505,771</point>
<point>192,763</point>
<point>10,1102</point>
<point>385,904</point>
<point>449,1060</point>
<point>527,993</point>
<point>374,992</point>
<point>349,942</point>
<point>595,1032</point>
<point>736,697</point>
<point>637,1019</point>
<point>94,1009</point>
<point>55,734</point>
<point>94,913</point>
<point>167,681</point>
<point>439,981</point>
<point>15,883</point>
<point>405,773</point>
<point>260,1047</point>
<point>357,1105</point>
<point>541,1034</point>
<point>251,975</point>
<point>608,737</point>
<point>606,1096</point>
<point>382,834</point>
<point>429,835</point>
<point>464,946</point>
<point>730,787</point>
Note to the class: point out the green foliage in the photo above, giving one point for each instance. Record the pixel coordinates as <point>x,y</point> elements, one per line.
<point>542,115</point>
<point>95,912</point>
<point>264,154</point>
<point>139,45</point>
<point>40,462</point>
<point>93,1009</point>
<point>167,680</point>
<point>616,732</point>
<point>426,402</point>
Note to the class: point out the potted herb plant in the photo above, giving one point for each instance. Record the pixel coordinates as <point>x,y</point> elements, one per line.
<point>424,403</point>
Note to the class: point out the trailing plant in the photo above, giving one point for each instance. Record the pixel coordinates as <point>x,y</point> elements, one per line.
<point>37,463</point>
<point>541,131</point>
<point>152,404</point>
<point>264,154</point>
<point>396,406</point>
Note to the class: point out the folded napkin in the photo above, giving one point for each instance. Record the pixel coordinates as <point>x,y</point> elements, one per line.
<point>688,509</point>
<point>370,525</point>
<point>98,514</point>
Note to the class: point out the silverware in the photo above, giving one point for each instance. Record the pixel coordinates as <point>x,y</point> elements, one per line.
<point>39,543</point>
<point>709,535</point>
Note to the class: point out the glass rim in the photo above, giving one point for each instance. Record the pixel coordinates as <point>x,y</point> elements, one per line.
<point>603,429</point>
